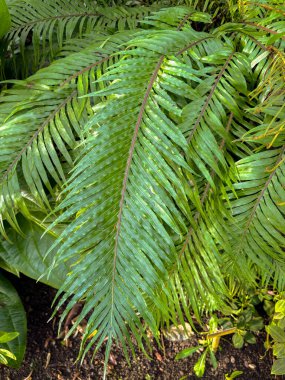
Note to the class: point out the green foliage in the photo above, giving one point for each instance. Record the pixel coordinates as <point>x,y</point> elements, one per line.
<point>233,375</point>
<point>12,317</point>
<point>241,320</point>
<point>243,315</point>
<point>206,348</point>
<point>5,18</point>
<point>28,255</point>
<point>151,140</point>
<point>276,330</point>
<point>4,354</point>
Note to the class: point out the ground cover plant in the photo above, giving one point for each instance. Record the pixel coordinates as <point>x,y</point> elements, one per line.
<point>142,157</point>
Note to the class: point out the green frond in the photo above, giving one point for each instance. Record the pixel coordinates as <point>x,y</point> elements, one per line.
<point>157,150</point>
<point>42,119</point>
<point>175,16</point>
<point>40,29</point>
<point>126,205</point>
<point>138,179</point>
<point>258,212</point>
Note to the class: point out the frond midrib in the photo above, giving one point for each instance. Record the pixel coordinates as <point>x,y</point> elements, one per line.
<point>85,69</point>
<point>259,199</point>
<point>127,170</point>
<point>35,135</point>
<point>209,97</point>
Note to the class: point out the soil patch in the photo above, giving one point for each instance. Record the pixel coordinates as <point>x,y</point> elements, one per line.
<point>48,358</point>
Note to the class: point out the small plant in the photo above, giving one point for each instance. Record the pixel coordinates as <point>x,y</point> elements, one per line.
<point>246,323</point>
<point>240,318</point>
<point>6,337</point>
<point>242,313</point>
<point>207,346</point>
<point>233,375</point>
<point>276,331</point>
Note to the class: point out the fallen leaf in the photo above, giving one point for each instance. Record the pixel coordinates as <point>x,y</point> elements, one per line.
<point>158,356</point>
<point>178,333</point>
<point>47,360</point>
<point>113,359</point>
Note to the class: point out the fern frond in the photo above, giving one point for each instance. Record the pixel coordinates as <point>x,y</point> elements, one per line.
<point>148,190</point>
<point>40,29</point>
<point>140,177</point>
<point>180,15</point>
<point>41,126</point>
<point>259,212</point>
<point>159,140</point>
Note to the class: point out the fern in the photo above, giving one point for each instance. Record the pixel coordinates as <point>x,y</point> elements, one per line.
<point>40,29</point>
<point>155,139</point>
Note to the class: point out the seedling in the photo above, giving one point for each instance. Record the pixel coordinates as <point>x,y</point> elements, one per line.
<point>233,375</point>
<point>207,347</point>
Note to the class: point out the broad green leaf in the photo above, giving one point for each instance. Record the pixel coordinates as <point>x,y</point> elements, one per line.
<point>200,366</point>
<point>281,323</point>
<point>277,333</point>
<point>279,350</point>
<point>187,352</point>
<point>278,367</point>
<point>249,338</point>
<point>237,340</point>
<point>4,265</point>
<point>280,307</point>
<point>27,254</point>
<point>5,19</point>
<point>256,324</point>
<point>7,337</point>
<point>7,354</point>
<point>12,319</point>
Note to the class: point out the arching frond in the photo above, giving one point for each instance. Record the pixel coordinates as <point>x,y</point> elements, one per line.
<point>39,133</point>
<point>134,219</point>
<point>39,29</point>
<point>167,143</point>
<point>259,212</point>
<point>153,180</point>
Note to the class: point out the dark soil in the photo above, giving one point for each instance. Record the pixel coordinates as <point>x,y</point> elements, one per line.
<point>47,358</point>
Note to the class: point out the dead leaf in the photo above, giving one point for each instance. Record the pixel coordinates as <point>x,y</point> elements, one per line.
<point>158,356</point>
<point>113,359</point>
<point>178,333</point>
<point>47,360</point>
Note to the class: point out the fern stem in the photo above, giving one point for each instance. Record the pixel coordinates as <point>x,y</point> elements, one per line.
<point>78,73</point>
<point>193,44</point>
<point>219,77</point>
<point>125,180</point>
<point>268,30</point>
